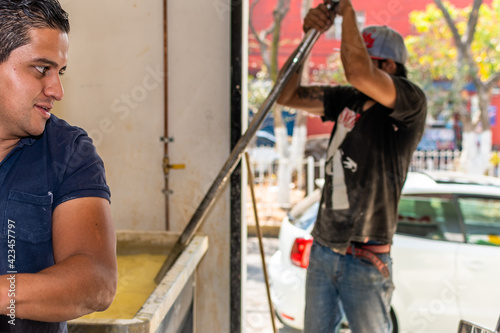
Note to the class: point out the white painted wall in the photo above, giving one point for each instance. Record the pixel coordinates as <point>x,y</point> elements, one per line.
<point>114,90</point>
<point>199,120</point>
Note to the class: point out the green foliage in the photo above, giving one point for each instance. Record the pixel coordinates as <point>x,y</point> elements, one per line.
<point>433,51</point>
<point>433,55</point>
<point>486,45</point>
<point>330,73</point>
<point>259,88</point>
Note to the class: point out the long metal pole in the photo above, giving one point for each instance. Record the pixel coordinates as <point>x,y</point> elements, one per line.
<point>289,68</point>
<point>261,246</point>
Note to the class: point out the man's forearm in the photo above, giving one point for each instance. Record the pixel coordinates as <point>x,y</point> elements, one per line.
<point>355,58</point>
<point>293,84</point>
<point>70,289</point>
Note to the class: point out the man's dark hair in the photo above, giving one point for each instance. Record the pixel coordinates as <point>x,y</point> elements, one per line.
<point>18,17</point>
<point>400,68</point>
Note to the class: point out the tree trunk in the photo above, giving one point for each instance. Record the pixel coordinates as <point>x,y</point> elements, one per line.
<point>284,166</point>
<point>280,131</point>
<point>476,147</point>
<point>298,145</point>
<point>485,138</point>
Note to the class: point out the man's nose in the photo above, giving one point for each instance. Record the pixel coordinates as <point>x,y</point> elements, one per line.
<point>54,88</point>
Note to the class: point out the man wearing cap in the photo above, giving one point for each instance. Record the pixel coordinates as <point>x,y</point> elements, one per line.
<point>379,120</point>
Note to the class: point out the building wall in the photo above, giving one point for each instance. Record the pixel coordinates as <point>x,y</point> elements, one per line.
<point>114,89</point>
<point>199,122</point>
<point>393,13</point>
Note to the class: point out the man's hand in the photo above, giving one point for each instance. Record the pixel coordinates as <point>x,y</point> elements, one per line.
<point>319,18</point>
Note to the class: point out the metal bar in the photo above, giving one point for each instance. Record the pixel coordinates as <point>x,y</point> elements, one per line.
<point>218,184</point>
<point>261,246</point>
<point>238,25</point>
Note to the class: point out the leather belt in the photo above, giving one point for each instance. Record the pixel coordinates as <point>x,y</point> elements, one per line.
<point>368,252</point>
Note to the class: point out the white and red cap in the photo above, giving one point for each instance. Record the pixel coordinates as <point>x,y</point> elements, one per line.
<point>383,42</point>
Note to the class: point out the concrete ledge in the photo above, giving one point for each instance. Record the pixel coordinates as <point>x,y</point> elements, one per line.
<point>265,230</point>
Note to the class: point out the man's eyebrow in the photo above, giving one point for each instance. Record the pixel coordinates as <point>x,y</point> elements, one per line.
<point>49,62</point>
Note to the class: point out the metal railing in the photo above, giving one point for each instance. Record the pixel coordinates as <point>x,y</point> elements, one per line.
<point>435,160</point>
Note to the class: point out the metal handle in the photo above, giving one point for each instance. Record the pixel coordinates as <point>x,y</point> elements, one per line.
<point>332,4</point>
<point>291,67</point>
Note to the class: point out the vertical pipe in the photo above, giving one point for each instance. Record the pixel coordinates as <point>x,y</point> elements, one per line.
<point>236,50</point>
<point>165,131</point>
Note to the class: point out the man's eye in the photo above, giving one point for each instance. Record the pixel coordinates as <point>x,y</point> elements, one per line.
<point>42,69</point>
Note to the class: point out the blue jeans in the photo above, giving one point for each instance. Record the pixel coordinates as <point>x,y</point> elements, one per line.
<point>344,284</point>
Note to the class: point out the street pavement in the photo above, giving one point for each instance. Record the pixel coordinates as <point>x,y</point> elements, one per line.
<point>257,317</point>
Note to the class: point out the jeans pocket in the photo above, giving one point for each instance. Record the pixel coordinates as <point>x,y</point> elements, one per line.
<point>29,216</point>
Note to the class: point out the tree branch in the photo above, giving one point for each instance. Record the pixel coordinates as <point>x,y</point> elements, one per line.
<point>463,43</point>
<point>492,80</point>
<point>472,23</point>
<point>451,24</point>
<point>250,23</point>
<point>260,37</point>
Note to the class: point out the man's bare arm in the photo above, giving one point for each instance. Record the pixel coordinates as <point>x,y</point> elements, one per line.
<point>358,66</point>
<point>295,95</point>
<point>84,277</point>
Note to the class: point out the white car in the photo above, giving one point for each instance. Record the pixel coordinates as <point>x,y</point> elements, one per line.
<point>446,255</point>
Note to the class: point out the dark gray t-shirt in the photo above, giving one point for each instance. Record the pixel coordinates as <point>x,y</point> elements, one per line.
<point>367,162</point>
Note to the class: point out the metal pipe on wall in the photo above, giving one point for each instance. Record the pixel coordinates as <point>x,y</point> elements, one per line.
<point>165,131</point>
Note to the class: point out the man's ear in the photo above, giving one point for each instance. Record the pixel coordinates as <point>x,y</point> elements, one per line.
<point>389,66</point>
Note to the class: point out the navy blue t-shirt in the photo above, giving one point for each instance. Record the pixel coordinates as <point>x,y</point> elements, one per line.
<point>39,174</point>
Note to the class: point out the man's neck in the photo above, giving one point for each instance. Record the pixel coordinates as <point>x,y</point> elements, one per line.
<point>6,146</point>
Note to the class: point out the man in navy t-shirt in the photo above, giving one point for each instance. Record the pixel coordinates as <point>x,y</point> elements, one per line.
<point>57,243</point>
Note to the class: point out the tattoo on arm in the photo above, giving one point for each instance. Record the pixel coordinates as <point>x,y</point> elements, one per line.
<point>311,93</point>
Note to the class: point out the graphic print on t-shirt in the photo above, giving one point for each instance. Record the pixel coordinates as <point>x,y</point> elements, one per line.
<point>345,123</point>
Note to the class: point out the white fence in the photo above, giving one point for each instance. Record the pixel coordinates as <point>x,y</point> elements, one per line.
<point>265,171</point>
<point>435,160</point>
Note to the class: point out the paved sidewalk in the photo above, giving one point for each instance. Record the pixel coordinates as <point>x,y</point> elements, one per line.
<point>257,317</point>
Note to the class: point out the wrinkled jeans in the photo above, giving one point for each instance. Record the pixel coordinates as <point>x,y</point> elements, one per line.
<point>344,284</point>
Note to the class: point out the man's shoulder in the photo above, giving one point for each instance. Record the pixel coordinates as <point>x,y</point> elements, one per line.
<point>63,139</point>
<point>59,127</point>
<point>60,133</point>
<point>406,84</point>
